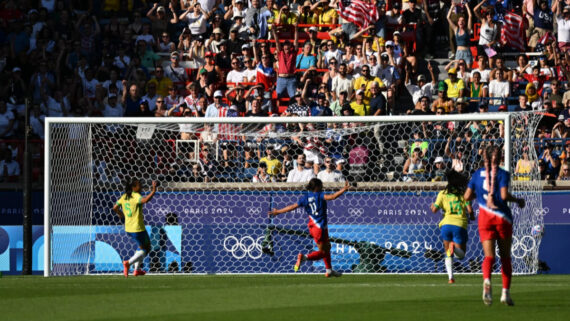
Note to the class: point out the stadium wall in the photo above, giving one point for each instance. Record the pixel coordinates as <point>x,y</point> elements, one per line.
<point>556,213</point>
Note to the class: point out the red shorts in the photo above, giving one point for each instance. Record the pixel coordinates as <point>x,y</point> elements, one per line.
<point>493,227</point>
<point>319,235</point>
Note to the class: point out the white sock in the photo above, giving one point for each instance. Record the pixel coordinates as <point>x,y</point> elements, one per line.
<point>449,267</point>
<point>137,265</point>
<point>505,291</point>
<point>139,254</point>
<point>328,271</point>
<point>458,253</point>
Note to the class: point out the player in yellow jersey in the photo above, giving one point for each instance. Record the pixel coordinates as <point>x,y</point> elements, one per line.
<point>456,212</point>
<point>130,207</point>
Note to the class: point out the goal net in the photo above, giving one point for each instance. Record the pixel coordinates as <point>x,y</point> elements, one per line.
<point>219,177</point>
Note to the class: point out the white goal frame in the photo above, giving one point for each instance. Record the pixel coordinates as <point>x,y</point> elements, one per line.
<point>51,121</point>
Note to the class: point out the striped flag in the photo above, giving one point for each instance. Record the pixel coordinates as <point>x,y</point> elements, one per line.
<point>358,12</point>
<point>512,33</point>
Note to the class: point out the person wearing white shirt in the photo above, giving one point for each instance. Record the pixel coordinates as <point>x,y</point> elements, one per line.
<point>423,88</point>
<point>499,87</point>
<point>563,22</point>
<point>332,53</point>
<point>342,82</point>
<point>236,74</point>
<point>196,20</point>
<point>482,68</point>
<point>330,174</point>
<point>112,107</point>
<point>57,106</point>
<point>300,174</point>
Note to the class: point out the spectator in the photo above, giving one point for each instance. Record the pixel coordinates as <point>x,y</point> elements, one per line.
<point>564,172</point>
<point>551,161</point>
<point>414,167</point>
<point>565,155</point>
<point>130,99</point>
<point>442,100</point>
<point>438,172</point>
<point>286,80</point>
<point>298,107</point>
<point>196,18</point>
<point>300,174</point>
<point>543,22</point>
<point>455,86</point>
<point>235,76</point>
<point>214,108</point>
<point>256,19</point>
<point>175,72</point>
<point>422,87</point>
<point>523,104</point>
<point>563,23</point>
<point>7,121</point>
<point>9,168</point>
<point>37,120</point>
<point>457,158</point>
<point>272,164</point>
<point>262,176</point>
<point>533,97</point>
<point>499,87</point>
<point>208,165</point>
<point>377,101</point>
<point>359,107</point>
<point>364,82</point>
<point>330,174</point>
<point>524,167</point>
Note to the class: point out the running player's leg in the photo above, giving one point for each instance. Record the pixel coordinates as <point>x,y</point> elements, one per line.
<point>506,269</point>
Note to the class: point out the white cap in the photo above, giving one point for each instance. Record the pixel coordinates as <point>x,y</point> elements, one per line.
<point>15,69</point>
<point>389,43</point>
<point>438,159</point>
<point>218,93</point>
<point>360,91</point>
<point>246,46</point>
<point>313,29</point>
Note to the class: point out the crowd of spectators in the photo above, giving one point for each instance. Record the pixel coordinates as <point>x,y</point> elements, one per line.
<point>288,58</point>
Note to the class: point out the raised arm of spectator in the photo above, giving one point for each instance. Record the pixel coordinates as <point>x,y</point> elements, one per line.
<point>452,62</point>
<point>174,19</point>
<point>476,10</point>
<point>305,94</point>
<point>429,18</point>
<point>150,13</point>
<point>296,38</point>
<point>433,78</point>
<point>452,24</point>
<point>230,13</point>
<point>361,32</point>
<point>277,44</point>
<point>124,92</point>
<point>185,13</point>
<point>469,18</point>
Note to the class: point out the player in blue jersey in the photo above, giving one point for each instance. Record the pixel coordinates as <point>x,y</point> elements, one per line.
<point>130,207</point>
<point>490,186</point>
<point>456,213</point>
<point>315,203</point>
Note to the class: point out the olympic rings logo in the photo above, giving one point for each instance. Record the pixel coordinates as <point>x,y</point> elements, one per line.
<point>246,246</point>
<point>541,211</point>
<point>253,210</point>
<point>521,247</point>
<point>356,211</point>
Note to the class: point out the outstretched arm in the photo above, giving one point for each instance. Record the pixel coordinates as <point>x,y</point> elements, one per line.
<point>275,212</point>
<point>330,197</point>
<point>149,196</point>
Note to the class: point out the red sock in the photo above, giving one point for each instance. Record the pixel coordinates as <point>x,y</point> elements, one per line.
<point>316,255</point>
<point>487,266</point>
<point>327,260</point>
<point>507,271</point>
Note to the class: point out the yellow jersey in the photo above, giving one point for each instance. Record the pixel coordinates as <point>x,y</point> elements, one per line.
<point>360,109</point>
<point>132,208</point>
<point>273,166</point>
<point>454,209</point>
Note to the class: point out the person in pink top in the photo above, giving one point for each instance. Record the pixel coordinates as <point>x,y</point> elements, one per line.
<point>286,56</point>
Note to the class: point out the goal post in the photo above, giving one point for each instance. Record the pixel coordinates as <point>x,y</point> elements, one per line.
<point>210,212</point>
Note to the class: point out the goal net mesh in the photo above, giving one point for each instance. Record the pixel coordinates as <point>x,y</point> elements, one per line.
<point>210,212</point>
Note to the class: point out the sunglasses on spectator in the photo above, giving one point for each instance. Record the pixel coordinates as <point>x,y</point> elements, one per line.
<point>159,101</point>
<point>332,63</point>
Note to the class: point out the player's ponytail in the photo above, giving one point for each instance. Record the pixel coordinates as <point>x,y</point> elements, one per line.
<point>128,189</point>
<point>492,159</point>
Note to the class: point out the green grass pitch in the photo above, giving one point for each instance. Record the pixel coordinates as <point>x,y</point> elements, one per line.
<point>273,297</point>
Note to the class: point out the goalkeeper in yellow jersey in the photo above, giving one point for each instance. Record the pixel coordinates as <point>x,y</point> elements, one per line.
<point>455,218</point>
<point>130,207</point>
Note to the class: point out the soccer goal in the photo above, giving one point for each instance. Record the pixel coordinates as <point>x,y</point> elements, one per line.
<point>209,215</point>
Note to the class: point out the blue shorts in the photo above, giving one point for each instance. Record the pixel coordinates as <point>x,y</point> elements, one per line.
<point>454,233</point>
<point>141,238</point>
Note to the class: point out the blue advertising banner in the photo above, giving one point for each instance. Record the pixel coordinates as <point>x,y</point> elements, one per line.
<point>196,245</point>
